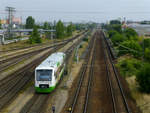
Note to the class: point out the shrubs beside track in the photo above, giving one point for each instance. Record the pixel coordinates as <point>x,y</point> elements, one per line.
<point>143,78</point>
<point>129,66</point>
<point>135,51</point>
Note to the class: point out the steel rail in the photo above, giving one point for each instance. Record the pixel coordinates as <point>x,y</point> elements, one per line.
<point>30,105</point>
<point>82,73</point>
<point>109,80</point>
<point>89,82</point>
<point>116,75</point>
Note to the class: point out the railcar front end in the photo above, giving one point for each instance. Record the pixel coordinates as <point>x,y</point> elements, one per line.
<point>44,80</point>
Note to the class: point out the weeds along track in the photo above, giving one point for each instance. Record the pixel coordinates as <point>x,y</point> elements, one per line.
<point>37,103</point>
<point>98,89</point>
<point>11,85</point>
<point>106,93</point>
<point>4,64</point>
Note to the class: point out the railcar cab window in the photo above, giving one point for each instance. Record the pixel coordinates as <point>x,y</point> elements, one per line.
<point>44,75</point>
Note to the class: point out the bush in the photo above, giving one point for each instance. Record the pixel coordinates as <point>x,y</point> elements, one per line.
<point>131,47</point>
<point>31,41</point>
<point>112,33</point>
<point>135,38</point>
<point>129,67</point>
<point>129,32</point>
<point>38,40</point>
<point>35,36</point>
<point>147,54</point>
<point>146,43</point>
<point>117,38</point>
<point>143,78</point>
<point>117,27</point>
<point>115,22</point>
<point>85,39</point>
<point>81,46</point>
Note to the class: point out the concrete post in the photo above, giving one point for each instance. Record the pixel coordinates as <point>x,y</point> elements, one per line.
<point>2,38</point>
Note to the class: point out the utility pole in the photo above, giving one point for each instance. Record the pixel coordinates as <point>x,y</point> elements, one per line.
<point>10,11</point>
<point>52,35</point>
<point>53,27</point>
<point>52,38</point>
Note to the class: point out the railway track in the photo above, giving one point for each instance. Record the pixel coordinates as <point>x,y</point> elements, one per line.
<point>98,89</point>
<point>33,46</point>
<point>15,49</point>
<point>15,60</point>
<point>36,103</point>
<point>13,55</point>
<point>21,52</point>
<point>10,86</point>
<point>4,64</point>
<point>85,78</point>
<point>57,42</point>
<point>120,104</point>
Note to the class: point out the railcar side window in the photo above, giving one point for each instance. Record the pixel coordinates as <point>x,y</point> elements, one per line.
<point>44,75</point>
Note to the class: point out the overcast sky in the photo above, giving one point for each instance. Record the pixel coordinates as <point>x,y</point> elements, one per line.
<point>79,10</point>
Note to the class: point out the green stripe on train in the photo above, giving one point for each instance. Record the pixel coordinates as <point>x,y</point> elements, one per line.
<point>44,90</point>
<point>48,90</point>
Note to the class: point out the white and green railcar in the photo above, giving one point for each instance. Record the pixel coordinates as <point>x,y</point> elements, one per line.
<point>49,72</point>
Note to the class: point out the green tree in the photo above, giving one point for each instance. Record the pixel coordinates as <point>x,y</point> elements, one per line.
<point>46,26</point>
<point>115,22</point>
<point>146,43</point>
<point>79,27</point>
<point>143,78</point>
<point>117,27</point>
<point>38,26</point>
<point>112,33</point>
<point>117,38</point>
<point>69,29</point>
<point>35,36</point>
<point>60,29</point>
<point>30,22</point>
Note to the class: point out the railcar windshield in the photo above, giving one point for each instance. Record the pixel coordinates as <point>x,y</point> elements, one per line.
<point>44,75</point>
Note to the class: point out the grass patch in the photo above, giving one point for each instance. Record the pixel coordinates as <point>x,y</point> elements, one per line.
<point>142,99</point>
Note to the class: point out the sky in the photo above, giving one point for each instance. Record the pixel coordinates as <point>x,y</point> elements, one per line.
<point>78,10</point>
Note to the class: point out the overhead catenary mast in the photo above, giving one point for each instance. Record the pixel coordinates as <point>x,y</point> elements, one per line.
<point>10,11</point>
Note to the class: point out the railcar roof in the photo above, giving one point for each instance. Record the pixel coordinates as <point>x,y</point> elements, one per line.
<point>53,61</point>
